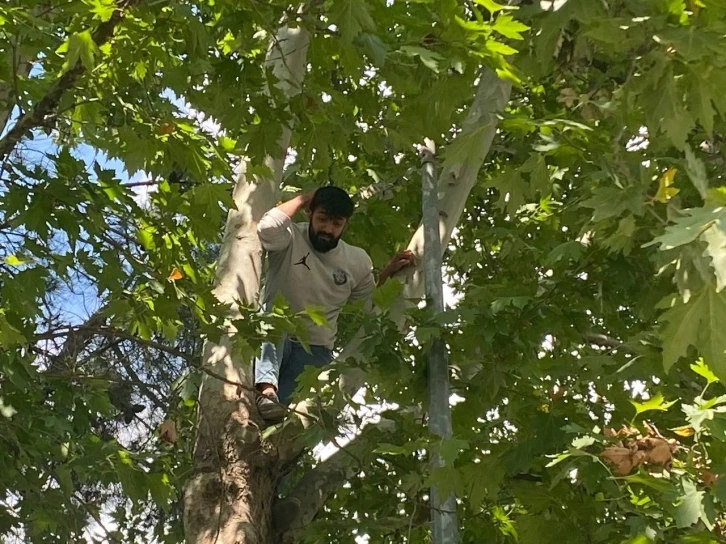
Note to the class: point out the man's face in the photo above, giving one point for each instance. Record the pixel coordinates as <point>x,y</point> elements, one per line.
<point>325,230</point>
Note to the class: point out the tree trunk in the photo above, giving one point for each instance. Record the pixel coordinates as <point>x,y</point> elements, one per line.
<point>229,496</point>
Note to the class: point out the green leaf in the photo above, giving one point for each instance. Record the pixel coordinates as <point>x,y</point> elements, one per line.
<point>484,478</point>
<point>507,26</point>
<point>450,448</point>
<point>161,490</point>
<point>720,490</point>
<point>351,17</point>
<point>610,202</point>
<point>698,323</point>
<point>373,47</point>
<point>500,48</point>
<point>6,410</point>
<point>690,505</point>
<point>448,480</point>
<point>386,295</point>
<point>678,125</point>
<point>697,416</point>
<point>493,7</point>
<point>662,485</point>
<point>316,315</point>
<point>583,442</point>
<point>657,402</point>
<point>208,204</point>
<point>700,368</point>
<point>9,335</point>
<point>140,70</point>
<point>639,539</point>
<point>385,448</point>
<point>131,479</point>
<point>703,99</point>
<point>102,9</point>
<point>696,172</point>
<point>689,228</point>
<point>429,58</point>
<point>81,46</point>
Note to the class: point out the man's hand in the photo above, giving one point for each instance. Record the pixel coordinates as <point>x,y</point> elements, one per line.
<point>295,204</point>
<point>403,259</point>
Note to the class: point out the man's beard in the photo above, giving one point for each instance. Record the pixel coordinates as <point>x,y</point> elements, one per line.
<point>321,242</point>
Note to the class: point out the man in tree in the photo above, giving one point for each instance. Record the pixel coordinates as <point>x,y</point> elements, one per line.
<point>309,265</point>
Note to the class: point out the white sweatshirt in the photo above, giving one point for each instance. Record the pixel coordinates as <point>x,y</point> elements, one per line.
<point>306,277</point>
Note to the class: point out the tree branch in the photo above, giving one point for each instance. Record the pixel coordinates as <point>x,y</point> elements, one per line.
<point>318,484</point>
<point>455,182</point>
<point>76,341</point>
<point>47,105</point>
<point>124,360</point>
<point>116,333</point>
<point>607,342</point>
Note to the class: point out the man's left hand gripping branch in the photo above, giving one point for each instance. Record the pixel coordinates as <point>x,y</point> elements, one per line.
<point>309,265</point>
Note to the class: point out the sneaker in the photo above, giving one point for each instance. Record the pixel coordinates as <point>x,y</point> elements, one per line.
<point>285,513</point>
<point>270,408</point>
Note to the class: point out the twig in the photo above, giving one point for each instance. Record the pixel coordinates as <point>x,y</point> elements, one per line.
<point>116,333</point>
<point>135,377</point>
<point>96,518</point>
<point>140,183</point>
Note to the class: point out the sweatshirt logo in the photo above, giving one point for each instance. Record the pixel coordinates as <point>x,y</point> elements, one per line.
<point>303,261</point>
<point>340,277</point>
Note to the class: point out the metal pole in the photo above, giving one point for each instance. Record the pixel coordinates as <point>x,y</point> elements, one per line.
<point>443,509</point>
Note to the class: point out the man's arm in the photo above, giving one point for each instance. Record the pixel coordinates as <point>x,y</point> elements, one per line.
<point>364,289</point>
<point>403,259</point>
<point>274,227</point>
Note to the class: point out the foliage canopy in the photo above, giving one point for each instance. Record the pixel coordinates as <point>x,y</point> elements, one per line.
<point>590,265</point>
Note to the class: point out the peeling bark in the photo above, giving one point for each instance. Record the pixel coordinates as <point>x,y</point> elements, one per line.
<point>228,498</point>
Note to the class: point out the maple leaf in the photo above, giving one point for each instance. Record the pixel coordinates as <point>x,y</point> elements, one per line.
<point>698,323</point>
<point>690,506</point>
<point>687,229</point>
<point>352,18</point>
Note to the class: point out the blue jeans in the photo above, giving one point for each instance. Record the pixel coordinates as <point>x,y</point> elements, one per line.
<point>280,364</point>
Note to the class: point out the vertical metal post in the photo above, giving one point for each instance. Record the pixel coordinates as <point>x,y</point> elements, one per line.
<point>443,509</point>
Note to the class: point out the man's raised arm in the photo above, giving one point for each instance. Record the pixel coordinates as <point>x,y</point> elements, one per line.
<point>274,227</point>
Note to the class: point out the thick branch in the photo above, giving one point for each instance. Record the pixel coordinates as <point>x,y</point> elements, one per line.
<point>47,105</point>
<point>227,449</point>
<point>455,183</point>
<point>458,178</point>
<point>318,484</point>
